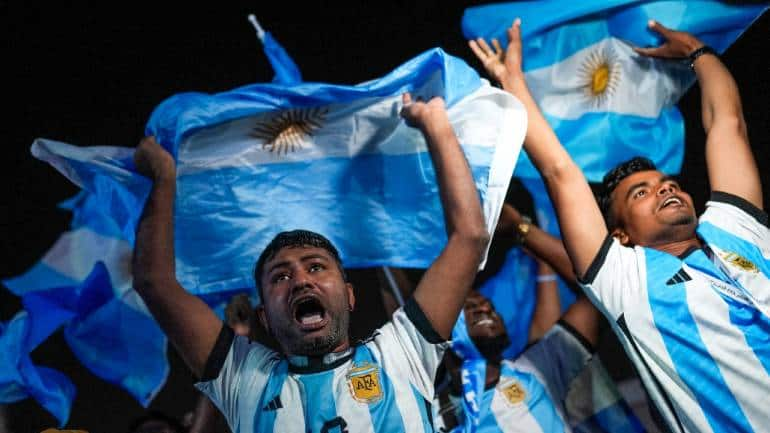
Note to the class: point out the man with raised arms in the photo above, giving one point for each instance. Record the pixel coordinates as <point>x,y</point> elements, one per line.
<point>320,381</point>
<point>688,297</point>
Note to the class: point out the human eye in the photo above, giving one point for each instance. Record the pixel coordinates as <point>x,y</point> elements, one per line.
<point>280,276</point>
<point>315,267</point>
<point>641,192</point>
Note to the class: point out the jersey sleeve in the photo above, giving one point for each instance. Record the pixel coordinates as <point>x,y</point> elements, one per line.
<point>410,346</point>
<point>235,365</point>
<point>737,216</point>
<point>559,357</point>
<point>614,277</point>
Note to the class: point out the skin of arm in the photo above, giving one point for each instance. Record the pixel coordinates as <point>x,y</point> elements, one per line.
<point>187,321</point>
<point>727,144</point>
<point>538,243</point>
<point>551,255</point>
<point>581,222</point>
<point>548,305</point>
<point>442,289</point>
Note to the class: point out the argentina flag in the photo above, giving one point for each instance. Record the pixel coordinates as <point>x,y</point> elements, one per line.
<point>334,159</point>
<point>605,102</point>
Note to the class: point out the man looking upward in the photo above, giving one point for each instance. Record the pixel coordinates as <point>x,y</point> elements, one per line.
<point>320,381</point>
<point>689,298</point>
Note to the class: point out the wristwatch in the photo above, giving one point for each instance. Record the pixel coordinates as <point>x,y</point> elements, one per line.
<point>522,229</point>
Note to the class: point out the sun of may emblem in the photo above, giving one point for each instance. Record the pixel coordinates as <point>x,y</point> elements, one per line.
<point>600,73</point>
<point>287,131</point>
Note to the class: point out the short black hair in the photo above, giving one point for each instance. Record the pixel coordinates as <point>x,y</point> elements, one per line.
<point>294,239</point>
<point>613,178</point>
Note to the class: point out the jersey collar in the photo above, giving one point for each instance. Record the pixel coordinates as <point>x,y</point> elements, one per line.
<point>315,364</point>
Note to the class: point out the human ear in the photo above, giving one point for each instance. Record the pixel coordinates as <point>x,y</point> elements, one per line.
<point>351,297</point>
<point>621,236</point>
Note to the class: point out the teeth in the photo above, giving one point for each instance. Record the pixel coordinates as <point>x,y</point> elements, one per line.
<point>484,322</point>
<point>671,200</point>
<point>311,319</point>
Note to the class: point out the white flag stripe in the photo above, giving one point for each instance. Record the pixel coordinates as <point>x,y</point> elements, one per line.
<point>632,84</point>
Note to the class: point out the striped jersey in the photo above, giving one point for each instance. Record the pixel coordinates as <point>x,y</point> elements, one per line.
<point>382,385</point>
<point>697,326</point>
<point>555,386</point>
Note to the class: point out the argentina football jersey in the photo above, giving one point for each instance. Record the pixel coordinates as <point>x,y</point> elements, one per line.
<point>697,326</point>
<point>555,386</point>
<point>382,385</point>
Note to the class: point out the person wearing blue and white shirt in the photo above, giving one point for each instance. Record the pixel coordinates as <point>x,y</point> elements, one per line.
<point>557,384</point>
<point>319,381</point>
<point>689,298</point>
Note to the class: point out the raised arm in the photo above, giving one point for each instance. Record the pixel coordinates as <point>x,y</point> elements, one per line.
<point>536,241</point>
<point>442,289</point>
<point>580,220</point>
<point>188,322</point>
<point>727,144</point>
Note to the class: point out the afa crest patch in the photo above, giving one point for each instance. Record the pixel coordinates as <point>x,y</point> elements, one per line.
<point>513,391</point>
<point>739,261</point>
<point>364,383</point>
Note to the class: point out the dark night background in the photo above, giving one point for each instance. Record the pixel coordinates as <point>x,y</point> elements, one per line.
<point>89,73</point>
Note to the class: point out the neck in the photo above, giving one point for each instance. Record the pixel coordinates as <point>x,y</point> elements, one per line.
<point>677,248</point>
<point>493,373</point>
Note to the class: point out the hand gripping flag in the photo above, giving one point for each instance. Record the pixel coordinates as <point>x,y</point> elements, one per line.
<point>605,102</point>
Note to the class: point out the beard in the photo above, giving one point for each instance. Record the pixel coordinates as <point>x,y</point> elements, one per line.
<point>491,348</point>
<point>296,343</point>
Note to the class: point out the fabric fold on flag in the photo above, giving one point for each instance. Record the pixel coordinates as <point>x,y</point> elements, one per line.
<point>334,159</point>
<point>605,102</point>
<point>20,378</point>
<point>83,283</point>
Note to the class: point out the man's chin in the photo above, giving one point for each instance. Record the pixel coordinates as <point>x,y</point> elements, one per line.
<point>316,345</point>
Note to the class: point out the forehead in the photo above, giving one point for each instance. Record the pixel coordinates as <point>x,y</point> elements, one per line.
<point>291,254</point>
<point>651,177</point>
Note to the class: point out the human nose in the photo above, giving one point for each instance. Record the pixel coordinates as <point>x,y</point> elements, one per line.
<point>665,188</point>
<point>300,280</point>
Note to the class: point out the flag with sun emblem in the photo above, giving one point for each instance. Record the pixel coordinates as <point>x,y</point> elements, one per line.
<point>605,102</point>
<point>338,160</point>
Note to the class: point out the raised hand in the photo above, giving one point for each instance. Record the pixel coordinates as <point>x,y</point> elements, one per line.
<point>678,45</point>
<point>153,161</point>
<point>498,64</point>
<point>419,114</point>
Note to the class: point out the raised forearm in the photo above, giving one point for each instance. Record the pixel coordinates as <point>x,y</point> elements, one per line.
<point>550,249</point>
<point>720,98</point>
<point>443,287</point>
<point>154,252</point>
<point>188,322</point>
<point>727,144</point>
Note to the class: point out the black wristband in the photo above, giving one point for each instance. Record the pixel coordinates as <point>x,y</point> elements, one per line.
<point>699,52</point>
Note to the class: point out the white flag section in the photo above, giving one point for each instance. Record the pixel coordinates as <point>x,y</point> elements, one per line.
<point>608,76</point>
<point>337,160</point>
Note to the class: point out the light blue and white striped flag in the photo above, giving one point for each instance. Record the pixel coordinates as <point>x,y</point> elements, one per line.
<point>334,159</point>
<point>605,102</point>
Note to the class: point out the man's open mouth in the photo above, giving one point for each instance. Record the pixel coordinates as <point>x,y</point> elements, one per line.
<point>309,313</point>
<point>671,201</point>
